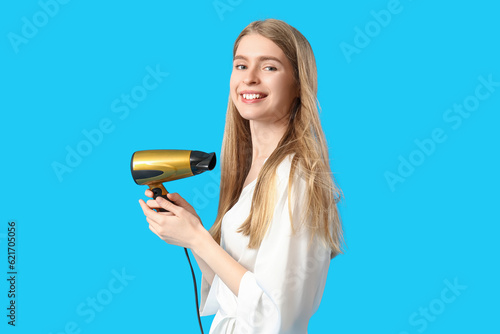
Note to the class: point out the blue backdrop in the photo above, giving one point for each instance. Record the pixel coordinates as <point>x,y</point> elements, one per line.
<point>410,97</point>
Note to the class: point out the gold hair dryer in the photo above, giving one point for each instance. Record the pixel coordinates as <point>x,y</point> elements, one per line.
<point>153,167</point>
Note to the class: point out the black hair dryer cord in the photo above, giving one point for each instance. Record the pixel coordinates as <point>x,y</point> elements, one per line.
<point>190,265</point>
<point>195,291</point>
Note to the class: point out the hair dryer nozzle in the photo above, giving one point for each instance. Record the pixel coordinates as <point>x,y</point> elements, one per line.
<point>201,162</point>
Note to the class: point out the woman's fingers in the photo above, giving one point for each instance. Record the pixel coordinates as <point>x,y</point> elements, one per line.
<point>177,199</point>
<point>153,223</point>
<point>164,204</point>
<point>174,197</point>
<point>174,226</point>
<point>148,212</point>
<point>153,229</point>
<point>169,206</point>
<point>153,204</point>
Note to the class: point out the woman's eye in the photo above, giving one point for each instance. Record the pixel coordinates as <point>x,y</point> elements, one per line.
<point>240,67</point>
<point>270,68</point>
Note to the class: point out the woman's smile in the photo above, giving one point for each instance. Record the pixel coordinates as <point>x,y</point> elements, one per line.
<point>250,96</point>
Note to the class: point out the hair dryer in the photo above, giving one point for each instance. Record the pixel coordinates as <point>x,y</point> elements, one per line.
<point>153,167</point>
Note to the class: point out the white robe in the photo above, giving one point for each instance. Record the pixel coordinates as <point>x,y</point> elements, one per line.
<point>285,280</point>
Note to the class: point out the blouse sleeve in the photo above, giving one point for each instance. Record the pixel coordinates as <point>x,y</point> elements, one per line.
<point>285,288</point>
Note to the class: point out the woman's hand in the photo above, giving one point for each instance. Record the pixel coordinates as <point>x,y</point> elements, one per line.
<point>174,197</point>
<point>180,226</point>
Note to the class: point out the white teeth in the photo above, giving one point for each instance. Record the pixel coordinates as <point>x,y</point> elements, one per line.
<point>251,96</point>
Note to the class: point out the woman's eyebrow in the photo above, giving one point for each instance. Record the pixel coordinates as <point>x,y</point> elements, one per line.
<point>261,58</point>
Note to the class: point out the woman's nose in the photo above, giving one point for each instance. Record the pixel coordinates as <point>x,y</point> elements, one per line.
<point>251,76</point>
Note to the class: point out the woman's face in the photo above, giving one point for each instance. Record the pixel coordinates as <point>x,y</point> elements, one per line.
<point>262,82</point>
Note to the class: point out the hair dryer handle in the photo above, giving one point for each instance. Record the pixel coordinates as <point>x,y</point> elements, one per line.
<point>159,190</point>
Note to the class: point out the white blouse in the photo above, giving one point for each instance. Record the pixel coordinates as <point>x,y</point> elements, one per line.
<point>286,275</point>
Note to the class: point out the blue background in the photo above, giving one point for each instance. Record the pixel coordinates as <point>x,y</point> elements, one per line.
<point>405,242</point>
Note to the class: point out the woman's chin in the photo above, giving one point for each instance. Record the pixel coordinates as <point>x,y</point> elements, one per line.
<point>251,116</point>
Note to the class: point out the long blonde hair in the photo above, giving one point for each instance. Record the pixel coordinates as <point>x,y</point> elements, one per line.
<point>304,138</point>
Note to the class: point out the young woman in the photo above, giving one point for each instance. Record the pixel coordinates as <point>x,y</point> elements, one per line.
<point>266,258</point>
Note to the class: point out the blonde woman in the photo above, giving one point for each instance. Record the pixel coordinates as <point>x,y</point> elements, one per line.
<point>266,258</point>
